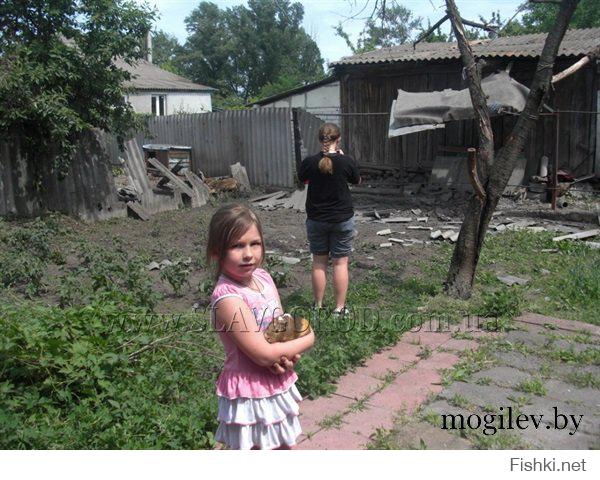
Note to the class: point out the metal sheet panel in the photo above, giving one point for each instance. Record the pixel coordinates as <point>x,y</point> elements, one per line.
<point>260,139</point>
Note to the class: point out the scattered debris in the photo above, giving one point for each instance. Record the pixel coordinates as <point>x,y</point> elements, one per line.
<point>222,184</point>
<point>454,238</point>
<point>448,233</point>
<point>578,236</point>
<point>385,245</point>
<point>165,263</point>
<point>549,250</point>
<point>418,227</point>
<point>238,172</point>
<point>511,280</point>
<point>370,258</point>
<point>397,220</point>
<point>153,266</point>
<point>416,211</point>
<point>537,229</point>
<point>201,190</point>
<point>593,245</point>
<point>387,231</point>
<point>290,260</point>
<point>435,235</point>
<point>423,219</point>
<point>396,240</point>
<point>137,211</point>
<point>545,272</point>
<point>379,214</point>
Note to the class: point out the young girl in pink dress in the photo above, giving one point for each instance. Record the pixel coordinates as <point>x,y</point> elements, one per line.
<point>258,398</point>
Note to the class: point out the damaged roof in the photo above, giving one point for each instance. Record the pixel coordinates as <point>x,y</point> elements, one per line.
<point>147,76</point>
<point>575,43</point>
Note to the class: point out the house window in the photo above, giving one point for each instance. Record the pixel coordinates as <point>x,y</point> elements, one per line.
<point>159,104</point>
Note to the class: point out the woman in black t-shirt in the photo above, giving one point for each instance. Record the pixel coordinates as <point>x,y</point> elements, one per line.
<point>330,225</point>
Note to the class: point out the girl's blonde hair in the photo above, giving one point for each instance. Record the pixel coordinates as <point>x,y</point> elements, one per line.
<point>227,225</point>
<point>328,135</point>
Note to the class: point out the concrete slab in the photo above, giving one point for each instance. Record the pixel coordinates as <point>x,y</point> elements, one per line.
<point>561,390</point>
<point>410,435</point>
<point>481,395</point>
<point>502,376</point>
<point>568,325</point>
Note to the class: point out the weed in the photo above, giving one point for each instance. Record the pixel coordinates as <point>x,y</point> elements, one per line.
<point>332,421</point>
<point>534,386</point>
<point>483,381</point>
<point>177,275</point>
<point>382,439</point>
<point>279,271</point>
<point>424,352</point>
<point>462,335</point>
<point>583,379</point>
<point>506,302</point>
<point>432,418</point>
<point>520,401</point>
<point>459,401</point>
<point>471,361</point>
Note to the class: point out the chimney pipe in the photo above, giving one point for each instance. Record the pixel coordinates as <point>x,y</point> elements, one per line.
<point>149,46</point>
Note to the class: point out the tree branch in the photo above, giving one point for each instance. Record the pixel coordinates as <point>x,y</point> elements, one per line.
<point>557,2</point>
<point>478,98</point>
<point>571,70</point>
<point>478,25</point>
<point>424,35</point>
<point>539,87</point>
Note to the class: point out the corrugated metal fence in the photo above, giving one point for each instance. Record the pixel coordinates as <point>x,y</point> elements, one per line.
<point>260,139</point>
<point>87,191</point>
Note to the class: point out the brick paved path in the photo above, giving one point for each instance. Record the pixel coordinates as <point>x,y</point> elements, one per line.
<point>404,377</point>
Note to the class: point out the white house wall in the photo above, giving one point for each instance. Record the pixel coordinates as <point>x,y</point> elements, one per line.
<point>319,101</point>
<point>176,102</point>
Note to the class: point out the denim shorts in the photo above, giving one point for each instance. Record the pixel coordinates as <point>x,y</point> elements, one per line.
<point>334,239</point>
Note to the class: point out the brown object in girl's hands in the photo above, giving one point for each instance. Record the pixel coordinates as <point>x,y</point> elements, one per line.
<point>285,328</point>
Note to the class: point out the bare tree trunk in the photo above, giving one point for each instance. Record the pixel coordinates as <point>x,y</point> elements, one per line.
<point>459,282</point>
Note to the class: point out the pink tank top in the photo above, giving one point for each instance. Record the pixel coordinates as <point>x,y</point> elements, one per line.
<point>241,377</point>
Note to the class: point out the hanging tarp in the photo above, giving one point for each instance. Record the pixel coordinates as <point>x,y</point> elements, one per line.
<point>417,111</point>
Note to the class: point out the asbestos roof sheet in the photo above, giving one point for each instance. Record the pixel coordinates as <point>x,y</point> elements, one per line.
<point>575,43</point>
<point>147,76</point>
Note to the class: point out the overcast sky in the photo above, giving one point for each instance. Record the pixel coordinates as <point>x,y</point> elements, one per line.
<point>321,16</point>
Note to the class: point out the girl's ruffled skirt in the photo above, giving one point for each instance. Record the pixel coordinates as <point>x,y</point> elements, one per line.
<point>264,423</point>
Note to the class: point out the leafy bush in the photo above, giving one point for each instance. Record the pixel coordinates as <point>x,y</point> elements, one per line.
<point>105,376</point>
<point>506,302</point>
<point>25,250</point>
<point>177,276</point>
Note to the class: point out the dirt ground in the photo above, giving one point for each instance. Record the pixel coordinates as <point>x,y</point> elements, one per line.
<point>182,235</point>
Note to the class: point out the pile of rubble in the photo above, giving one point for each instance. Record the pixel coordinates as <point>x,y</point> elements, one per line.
<point>280,199</point>
<point>405,226</point>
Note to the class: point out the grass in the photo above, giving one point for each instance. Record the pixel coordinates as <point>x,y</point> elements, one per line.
<point>332,421</point>
<point>583,379</point>
<point>571,290</point>
<point>533,386</point>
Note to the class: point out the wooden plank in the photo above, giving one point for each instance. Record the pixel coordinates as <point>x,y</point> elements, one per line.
<point>201,190</point>
<point>180,184</point>
<point>578,236</point>
<point>138,211</point>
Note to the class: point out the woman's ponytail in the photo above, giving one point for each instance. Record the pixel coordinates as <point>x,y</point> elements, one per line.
<point>329,133</point>
<point>326,165</point>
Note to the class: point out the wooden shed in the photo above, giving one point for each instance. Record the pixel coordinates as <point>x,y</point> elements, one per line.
<point>370,81</point>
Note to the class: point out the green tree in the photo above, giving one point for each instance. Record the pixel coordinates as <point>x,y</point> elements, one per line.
<point>539,17</point>
<point>390,25</point>
<point>242,49</point>
<point>166,51</point>
<point>57,76</point>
